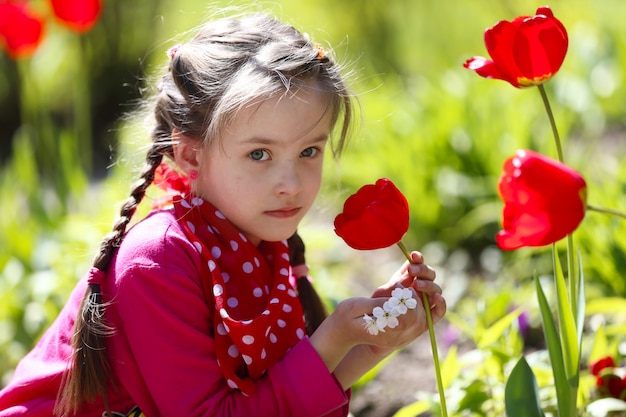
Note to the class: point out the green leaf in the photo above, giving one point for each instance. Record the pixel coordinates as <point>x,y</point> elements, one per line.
<point>476,394</point>
<point>495,331</point>
<point>606,305</point>
<point>569,336</point>
<point>521,395</point>
<point>463,324</point>
<point>450,367</point>
<point>413,409</point>
<point>553,341</point>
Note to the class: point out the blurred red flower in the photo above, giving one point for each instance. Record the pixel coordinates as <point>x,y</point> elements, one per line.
<point>601,364</point>
<point>21,29</point>
<point>608,383</point>
<point>544,200</point>
<point>375,217</point>
<point>78,15</point>
<point>172,182</point>
<point>526,51</point>
<point>611,385</point>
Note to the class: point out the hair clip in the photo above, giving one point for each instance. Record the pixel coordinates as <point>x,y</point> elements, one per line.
<point>172,51</point>
<point>321,52</point>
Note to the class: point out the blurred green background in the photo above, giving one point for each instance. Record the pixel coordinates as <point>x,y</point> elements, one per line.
<point>69,150</point>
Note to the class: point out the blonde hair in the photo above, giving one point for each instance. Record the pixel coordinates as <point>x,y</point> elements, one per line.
<point>231,62</point>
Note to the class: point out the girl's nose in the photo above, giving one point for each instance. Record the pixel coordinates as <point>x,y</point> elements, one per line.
<point>288,179</point>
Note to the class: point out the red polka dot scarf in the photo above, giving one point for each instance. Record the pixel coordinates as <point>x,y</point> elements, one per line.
<point>258,316</point>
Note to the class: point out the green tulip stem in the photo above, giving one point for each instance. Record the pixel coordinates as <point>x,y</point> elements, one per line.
<point>433,340</point>
<point>612,212</point>
<point>555,132</point>
<point>573,284</point>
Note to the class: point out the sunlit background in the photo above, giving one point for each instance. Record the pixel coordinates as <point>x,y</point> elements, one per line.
<point>70,148</point>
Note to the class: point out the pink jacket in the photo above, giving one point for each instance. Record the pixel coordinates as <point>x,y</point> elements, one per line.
<point>162,354</point>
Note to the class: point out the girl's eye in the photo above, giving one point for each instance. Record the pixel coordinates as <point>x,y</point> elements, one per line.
<point>309,152</point>
<point>259,155</point>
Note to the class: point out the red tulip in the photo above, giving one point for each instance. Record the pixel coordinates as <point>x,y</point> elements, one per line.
<point>611,385</point>
<point>21,30</point>
<point>544,200</point>
<point>376,217</point>
<point>78,15</point>
<point>601,364</point>
<point>525,52</point>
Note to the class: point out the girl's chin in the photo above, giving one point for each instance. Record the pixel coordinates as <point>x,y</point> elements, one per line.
<point>276,236</point>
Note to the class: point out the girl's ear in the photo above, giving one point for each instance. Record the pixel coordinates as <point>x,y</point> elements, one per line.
<point>186,152</point>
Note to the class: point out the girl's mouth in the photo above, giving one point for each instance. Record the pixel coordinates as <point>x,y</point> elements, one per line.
<point>284,213</point>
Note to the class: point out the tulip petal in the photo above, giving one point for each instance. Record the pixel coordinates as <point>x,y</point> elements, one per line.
<point>78,15</point>
<point>498,41</point>
<point>544,200</point>
<point>21,30</point>
<point>527,51</point>
<point>540,45</point>
<point>375,217</point>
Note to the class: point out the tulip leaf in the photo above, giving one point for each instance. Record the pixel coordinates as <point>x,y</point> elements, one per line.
<point>521,395</point>
<point>563,393</point>
<point>569,336</point>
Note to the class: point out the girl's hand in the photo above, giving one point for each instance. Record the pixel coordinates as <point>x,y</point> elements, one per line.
<point>406,275</point>
<point>419,278</point>
<point>412,324</point>
<point>344,329</point>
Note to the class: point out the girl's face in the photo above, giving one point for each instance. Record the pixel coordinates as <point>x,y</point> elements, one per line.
<point>265,171</point>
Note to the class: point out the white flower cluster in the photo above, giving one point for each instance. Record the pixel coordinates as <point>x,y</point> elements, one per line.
<point>387,316</point>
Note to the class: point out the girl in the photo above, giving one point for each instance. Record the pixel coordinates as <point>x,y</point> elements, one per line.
<point>196,310</point>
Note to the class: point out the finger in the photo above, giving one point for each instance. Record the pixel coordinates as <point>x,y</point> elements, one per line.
<point>359,306</point>
<point>417,257</point>
<point>422,271</point>
<point>429,287</point>
<point>438,306</point>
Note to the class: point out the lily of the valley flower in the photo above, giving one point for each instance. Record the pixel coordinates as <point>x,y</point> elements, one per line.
<point>544,200</point>
<point>526,51</point>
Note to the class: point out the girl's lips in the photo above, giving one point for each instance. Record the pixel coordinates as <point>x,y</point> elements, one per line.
<point>284,213</point>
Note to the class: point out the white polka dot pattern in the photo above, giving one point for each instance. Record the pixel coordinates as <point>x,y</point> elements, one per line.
<point>258,317</point>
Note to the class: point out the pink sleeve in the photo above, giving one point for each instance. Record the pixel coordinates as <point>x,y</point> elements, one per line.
<point>164,356</point>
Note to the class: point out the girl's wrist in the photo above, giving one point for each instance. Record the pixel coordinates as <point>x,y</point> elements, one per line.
<point>329,344</point>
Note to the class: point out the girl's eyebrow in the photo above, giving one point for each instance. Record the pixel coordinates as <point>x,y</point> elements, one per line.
<point>257,140</point>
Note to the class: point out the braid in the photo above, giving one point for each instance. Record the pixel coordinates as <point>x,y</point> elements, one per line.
<point>314,309</point>
<point>90,373</point>
<point>229,64</point>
